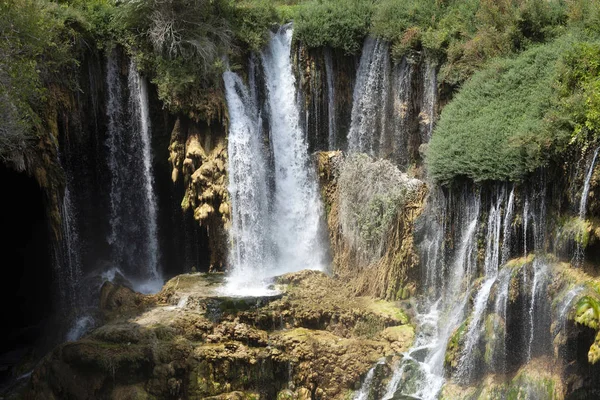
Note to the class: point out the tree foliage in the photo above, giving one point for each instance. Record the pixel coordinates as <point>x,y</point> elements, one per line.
<point>37,50</point>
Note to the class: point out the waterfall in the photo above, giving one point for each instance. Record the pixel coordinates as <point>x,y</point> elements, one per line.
<point>427,115</point>
<point>525,223</point>
<point>445,312</point>
<point>133,211</point>
<point>330,76</point>
<point>467,363</point>
<point>297,209</point>
<point>565,307</point>
<point>396,145</point>
<point>247,183</point>
<point>508,218</point>
<point>363,393</point>
<point>586,186</point>
<point>433,241</point>
<point>276,228</point>
<point>501,310</point>
<point>68,258</point>
<point>538,290</point>
<point>370,98</point>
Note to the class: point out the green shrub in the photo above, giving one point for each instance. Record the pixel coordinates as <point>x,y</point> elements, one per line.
<point>496,126</point>
<point>252,21</point>
<point>579,92</point>
<point>341,24</point>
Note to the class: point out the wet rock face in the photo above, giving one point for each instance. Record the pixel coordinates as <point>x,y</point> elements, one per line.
<point>391,271</point>
<point>315,340</point>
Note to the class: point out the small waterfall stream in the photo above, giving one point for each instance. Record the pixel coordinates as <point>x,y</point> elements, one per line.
<point>421,372</point>
<point>332,125</point>
<point>370,98</point>
<point>586,186</point>
<point>133,228</point>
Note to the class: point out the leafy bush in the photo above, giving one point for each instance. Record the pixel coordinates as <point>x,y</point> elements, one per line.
<point>252,21</point>
<point>496,127</point>
<point>401,22</point>
<point>36,52</point>
<point>579,92</point>
<point>341,24</point>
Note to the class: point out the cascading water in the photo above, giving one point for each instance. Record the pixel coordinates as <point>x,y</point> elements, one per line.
<point>421,372</point>
<point>332,125</point>
<point>363,393</point>
<point>501,310</point>
<point>565,307</point>
<point>293,232</point>
<point>578,256</point>
<point>467,364</point>
<point>395,145</point>
<point>247,185</point>
<point>297,210</point>
<point>427,115</point>
<point>69,261</point>
<point>370,98</point>
<point>507,230</point>
<point>586,186</point>
<point>133,227</point>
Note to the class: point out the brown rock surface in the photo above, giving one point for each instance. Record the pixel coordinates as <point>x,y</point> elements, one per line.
<point>313,341</point>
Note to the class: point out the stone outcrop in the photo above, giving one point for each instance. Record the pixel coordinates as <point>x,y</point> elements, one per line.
<point>199,157</point>
<point>313,340</point>
<point>393,272</point>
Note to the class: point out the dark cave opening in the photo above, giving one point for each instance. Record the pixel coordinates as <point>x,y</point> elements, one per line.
<point>26,286</point>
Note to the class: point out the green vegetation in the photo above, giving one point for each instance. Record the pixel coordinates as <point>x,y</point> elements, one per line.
<point>37,45</point>
<point>587,313</point>
<point>536,94</point>
<point>518,113</point>
<point>339,24</point>
<point>495,129</point>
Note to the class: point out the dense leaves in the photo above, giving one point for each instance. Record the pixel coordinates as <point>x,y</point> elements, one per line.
<point>518,113</point>
<point>37,50</point>
<point>339,24</point>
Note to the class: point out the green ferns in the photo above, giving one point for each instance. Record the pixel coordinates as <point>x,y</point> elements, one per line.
<point>588,314</point>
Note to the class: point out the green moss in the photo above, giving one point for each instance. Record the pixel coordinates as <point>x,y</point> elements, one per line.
<point>388,309</point>
<point>454,345</point>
